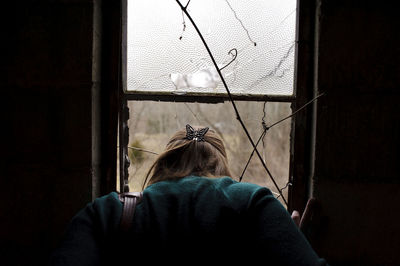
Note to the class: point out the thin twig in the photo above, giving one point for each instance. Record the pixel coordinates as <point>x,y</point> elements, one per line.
<point>277,194</point>
<point>143,150</point>
<point>264,125</point>
<point>298,110</point>
<point>193,113</point>
<point>184,25</point>
<point>285,187</point>
<point>233,59</point>
<point>213,126</point>
<point>231,99</point>
<point>187,4</point>
<point>251,155</point>
<point>274,124</point>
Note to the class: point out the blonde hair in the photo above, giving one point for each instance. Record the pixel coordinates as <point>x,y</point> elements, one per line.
<point>184,157</point>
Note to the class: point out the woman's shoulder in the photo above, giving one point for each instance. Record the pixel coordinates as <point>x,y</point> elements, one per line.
<point>108,199</point>
<point>200,182</point>
<point>242,191</point>
<point>220,189</point>
<point>105,206</point>
<point>225,186</point>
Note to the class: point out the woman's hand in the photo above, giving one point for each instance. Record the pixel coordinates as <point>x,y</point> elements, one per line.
<point>296,217</point>
<point>312,209</point>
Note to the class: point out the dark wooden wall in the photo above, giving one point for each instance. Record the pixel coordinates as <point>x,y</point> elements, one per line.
<point>57,127</point>
<point>46,151</point>
<point>58,143</point>
<point>358,130</point>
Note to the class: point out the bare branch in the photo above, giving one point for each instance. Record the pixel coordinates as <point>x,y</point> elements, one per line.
<point>231,100</point>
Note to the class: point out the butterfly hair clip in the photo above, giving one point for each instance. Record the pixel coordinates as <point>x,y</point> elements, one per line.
<point>192,134</point>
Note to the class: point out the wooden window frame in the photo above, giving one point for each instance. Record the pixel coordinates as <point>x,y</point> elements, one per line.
<point>303,123</point>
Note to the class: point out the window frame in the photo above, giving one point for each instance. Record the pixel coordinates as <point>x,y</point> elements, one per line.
<point>302,129</point>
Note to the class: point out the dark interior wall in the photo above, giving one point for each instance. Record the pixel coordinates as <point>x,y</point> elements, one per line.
<point>48,89</point>
<point>46,151</point>
<point>357,138</point>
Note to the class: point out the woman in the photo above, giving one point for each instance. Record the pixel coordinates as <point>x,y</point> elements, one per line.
<point>191,211</point>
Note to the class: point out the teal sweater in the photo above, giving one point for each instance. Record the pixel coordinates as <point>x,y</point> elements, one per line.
<point>194,219</point>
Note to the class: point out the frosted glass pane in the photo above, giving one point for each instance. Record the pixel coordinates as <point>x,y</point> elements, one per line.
<point>165,54</point>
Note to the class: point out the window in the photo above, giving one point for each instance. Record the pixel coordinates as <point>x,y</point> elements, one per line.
<point>169,79</point>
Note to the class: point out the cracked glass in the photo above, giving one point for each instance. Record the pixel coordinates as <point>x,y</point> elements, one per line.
<point>253,43</point>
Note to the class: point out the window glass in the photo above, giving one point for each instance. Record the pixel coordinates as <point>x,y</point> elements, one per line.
<point>166,56</point>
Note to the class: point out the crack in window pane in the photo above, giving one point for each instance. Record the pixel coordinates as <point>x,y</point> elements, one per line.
<point>241,23</point>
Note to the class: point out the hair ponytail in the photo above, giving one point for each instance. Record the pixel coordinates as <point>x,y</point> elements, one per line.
<point>184,157</point>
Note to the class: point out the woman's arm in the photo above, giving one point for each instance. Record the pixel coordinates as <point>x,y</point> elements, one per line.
<point>277,234</point>
<point>88,232</point>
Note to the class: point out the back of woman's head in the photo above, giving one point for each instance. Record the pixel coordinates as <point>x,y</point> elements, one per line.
<point>184,156</point>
